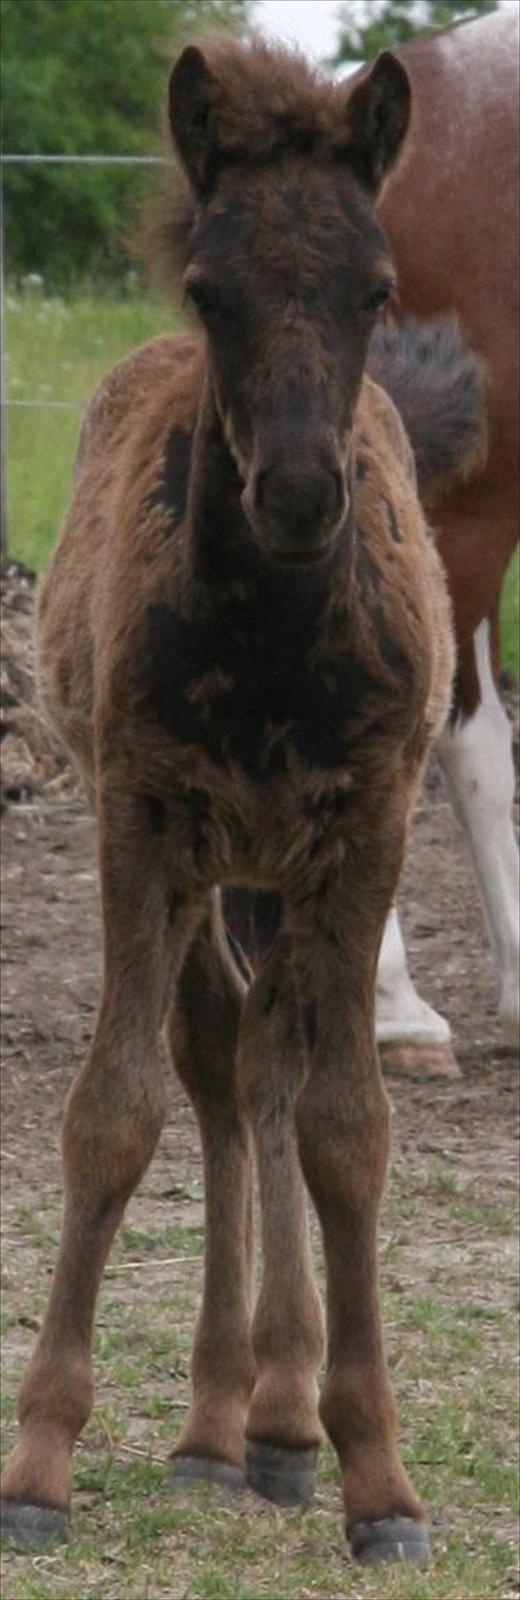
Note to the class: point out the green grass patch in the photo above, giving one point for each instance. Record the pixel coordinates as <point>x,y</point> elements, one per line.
<point>161,1241</point>
<point>466,1203</point>
<point>510,617</point>
<point>58,351</point>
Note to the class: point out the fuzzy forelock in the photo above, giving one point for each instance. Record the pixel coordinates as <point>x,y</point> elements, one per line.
<point>270,101</point>
<point>269,98</point>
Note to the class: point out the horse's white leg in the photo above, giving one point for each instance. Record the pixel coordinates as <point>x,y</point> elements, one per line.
<point>400,1013</point>
<point>477,760</point>
<point>410,1034</point>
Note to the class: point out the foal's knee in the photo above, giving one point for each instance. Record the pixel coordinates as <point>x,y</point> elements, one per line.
<point>343,1138</point>
<point>113,1117</point>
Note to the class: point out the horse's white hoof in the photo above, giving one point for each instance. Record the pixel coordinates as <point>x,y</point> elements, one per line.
<point>418,1060</point>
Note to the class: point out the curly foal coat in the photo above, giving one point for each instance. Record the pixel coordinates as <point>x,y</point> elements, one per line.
<point>245,641</point>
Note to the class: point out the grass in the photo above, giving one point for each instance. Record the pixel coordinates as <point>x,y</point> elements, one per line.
<point>510,617</point>
<point>450,1352</point>
<point>59,350</point>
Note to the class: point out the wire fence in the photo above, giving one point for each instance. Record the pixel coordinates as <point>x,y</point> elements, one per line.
<point>82,161</point>
<point>6,403</point>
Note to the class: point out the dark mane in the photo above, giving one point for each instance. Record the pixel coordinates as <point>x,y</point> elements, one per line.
<point>270,99</point>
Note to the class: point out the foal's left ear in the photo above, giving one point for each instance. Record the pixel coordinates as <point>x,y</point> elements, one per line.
<point>192,98</point>
<point>377,113</point>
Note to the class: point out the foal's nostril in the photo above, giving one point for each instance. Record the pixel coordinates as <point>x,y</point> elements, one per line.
<point>339,482</point>
<point>260,482</point>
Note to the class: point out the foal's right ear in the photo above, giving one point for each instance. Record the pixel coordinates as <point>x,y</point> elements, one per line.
<point>376,117</point>
<point>192,98</point>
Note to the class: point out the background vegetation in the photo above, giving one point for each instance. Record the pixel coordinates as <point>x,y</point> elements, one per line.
<point>86,77</point>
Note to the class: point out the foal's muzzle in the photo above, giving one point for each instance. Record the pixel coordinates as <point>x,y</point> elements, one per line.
<point>296,510</point>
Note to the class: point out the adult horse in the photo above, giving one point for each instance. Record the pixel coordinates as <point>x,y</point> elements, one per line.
<point>451,212</point>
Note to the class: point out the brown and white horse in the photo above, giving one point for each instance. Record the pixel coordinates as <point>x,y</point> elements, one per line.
<point>451,212</point>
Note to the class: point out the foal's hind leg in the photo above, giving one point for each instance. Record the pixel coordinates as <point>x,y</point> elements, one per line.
<point>283,1429</point>
<point>113,1118</point>
<point>203,1035</point>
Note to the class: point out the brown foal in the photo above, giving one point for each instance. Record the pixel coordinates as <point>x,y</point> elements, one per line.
<point>245,641</point>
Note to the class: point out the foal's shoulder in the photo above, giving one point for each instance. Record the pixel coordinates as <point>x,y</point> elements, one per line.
<point>164,368</point>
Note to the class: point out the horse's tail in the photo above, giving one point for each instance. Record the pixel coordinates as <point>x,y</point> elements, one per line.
<point>437,384</point>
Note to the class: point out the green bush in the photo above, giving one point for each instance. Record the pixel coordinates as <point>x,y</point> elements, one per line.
<point>86,77</point>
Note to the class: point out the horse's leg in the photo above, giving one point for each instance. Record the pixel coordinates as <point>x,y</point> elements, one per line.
<point>343,1127</point>
<point>112,1121</point>
<point>283,1429</point>
<point>475,751</point>
<point>412,1037</point>
<point>203,1035</point>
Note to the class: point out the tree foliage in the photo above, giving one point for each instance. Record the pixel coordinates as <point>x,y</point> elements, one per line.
<point>363,30</point>
<point>86,77</point>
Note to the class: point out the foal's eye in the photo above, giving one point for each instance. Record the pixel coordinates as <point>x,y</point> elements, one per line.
<point>378,297</point>
<point>203,295</point>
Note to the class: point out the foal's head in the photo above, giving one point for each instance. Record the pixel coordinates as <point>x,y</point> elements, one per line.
<point>287,267</point>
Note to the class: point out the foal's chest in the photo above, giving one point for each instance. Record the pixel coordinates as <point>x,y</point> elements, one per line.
<point>247,689</point>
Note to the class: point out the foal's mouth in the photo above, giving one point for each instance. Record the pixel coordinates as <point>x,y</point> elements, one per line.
<point>296,556</point>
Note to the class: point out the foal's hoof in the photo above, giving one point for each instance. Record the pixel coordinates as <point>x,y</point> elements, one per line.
<point>24,1526</point>
<point>287,1477</point>
<point>418,1060</point>
<point>391,1539</point>
<point>187,1470</point>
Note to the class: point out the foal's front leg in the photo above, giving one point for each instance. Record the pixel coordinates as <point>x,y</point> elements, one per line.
<point>113,1117</point>
<point>343,1128</point>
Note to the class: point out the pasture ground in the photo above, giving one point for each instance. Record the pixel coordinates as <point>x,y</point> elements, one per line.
<point>449,1268</point>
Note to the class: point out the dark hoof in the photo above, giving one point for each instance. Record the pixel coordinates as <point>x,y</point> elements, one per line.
<point>287,1477</point>
<point>23,1525</point>
<point>186,1470</point>
<point>392,1539</point>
